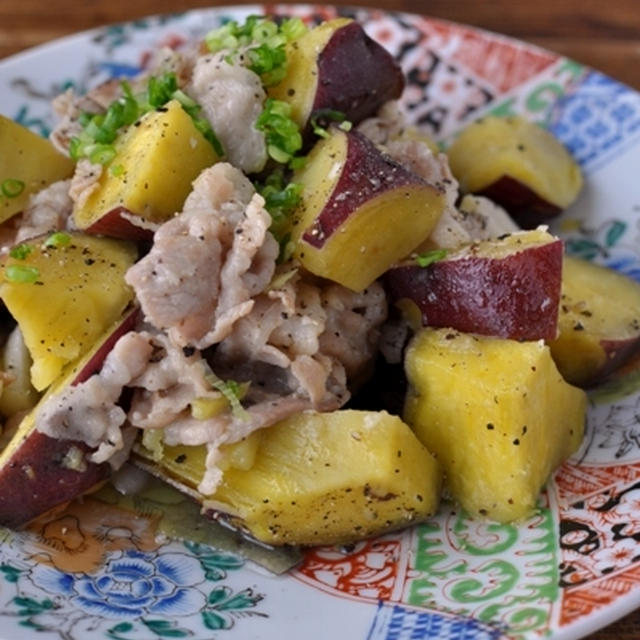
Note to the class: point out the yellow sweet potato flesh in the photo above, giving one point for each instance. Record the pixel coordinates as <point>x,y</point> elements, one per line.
<point>32,160</point>
<point>319,478</point>
<point>598,322</point>
<point>495,413</point>
<point>156,162</point>
<point>80,291</point>
<point>493,148</point>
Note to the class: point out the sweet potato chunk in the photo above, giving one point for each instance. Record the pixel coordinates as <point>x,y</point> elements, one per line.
<point>509,287</point>
<point>28,163</point>
<point>360,211</point>
<point>38,472</point>
<point>151,174</point>
<point>336,66</point>
<point>63,294</point>
<point>496,414</point>
<point>599,322</point>
<point>518,165</point>
<point>320,478</point>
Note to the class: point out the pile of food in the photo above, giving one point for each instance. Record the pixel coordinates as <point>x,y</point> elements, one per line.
<point>207,268</point>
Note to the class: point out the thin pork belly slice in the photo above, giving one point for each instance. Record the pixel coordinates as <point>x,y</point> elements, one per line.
<point>207,263</point>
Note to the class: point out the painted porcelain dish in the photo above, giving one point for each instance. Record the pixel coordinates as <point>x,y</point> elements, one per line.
<point>100,569</point>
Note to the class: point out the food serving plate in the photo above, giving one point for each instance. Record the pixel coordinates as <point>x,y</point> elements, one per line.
<point>103,568</point>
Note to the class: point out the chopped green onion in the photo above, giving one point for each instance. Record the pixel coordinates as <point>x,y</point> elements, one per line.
<point>282,133</point>
<point>268,62</point>
<point>204,127</point>
<point>186,101</point>
<point>58,239</point>
<point>261,41</point>
<point>102,154</point>
<point>21,273</point>
<point>12,187</point>
<point>321,119</point>
<point>281,199</point>
<point>21,251</point>
<point>429,257</point>
<point>292,28</point>
<point>101,130</point>
<point>116,170</point>
<point>161,88</point>
<point>233,391</point>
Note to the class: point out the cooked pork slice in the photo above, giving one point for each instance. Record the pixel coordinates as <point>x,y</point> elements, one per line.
<point>232,99</point>
<point>88,412</point>
<point>321,337</point>
<point>171,380</point>
<point>387,124</point>
<point>48,210</point>
<point>207,263</point>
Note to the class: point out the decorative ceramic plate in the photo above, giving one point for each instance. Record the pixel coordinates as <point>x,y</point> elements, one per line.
<point>100,569</point>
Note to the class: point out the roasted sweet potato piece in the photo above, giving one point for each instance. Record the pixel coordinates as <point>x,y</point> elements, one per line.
<point>599,322</point>
<point>28,163</point>
<point>496,414</point>
<point>315,478</point>
<point>517,164</point>
<point>360,212</point>
<point>336,66</point>
<point>508,287</point>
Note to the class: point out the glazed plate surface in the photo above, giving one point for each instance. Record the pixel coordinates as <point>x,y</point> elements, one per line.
<point>100,569</point>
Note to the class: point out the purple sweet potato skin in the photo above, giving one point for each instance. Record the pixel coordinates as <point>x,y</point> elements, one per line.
<point>523,204</point>
<point>36,479</point>
<point>513,297</point>
<point>356,75</point>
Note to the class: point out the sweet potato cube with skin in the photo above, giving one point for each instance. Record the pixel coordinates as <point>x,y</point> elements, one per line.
<point>508,287</point>
<point>599,322</point>
<point>337,66</point>
<point>321,478</point>
<point>518,165</point>
<point>39,472</point>
<point>74,290</point>
<point>360,211</point>
<point>156,161</point>
<point>28,163</point>
<point>495,413</point>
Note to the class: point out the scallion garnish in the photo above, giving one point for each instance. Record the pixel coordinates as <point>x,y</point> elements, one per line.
<point>11,187</point>
<point>321,119</point>
<point>21,251</point>
<point>100,130</point>
<point>282,133</point>
<point>281,199</point>
<point>21,273</point>
<point>429,257</point>
<point>233,391</point>
<point>261,42</point>
<point>58,239</point>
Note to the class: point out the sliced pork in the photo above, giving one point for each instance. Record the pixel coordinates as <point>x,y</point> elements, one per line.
<point>207,263</point>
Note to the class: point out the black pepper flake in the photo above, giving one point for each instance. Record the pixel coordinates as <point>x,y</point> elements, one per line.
<point>490,426</point>
<point>89,261</point>
<point>516,441</point>
<point>188,351</point>
<point>181,458</point>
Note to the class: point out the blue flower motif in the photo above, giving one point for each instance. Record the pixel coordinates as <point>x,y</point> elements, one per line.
<point>130,585</point>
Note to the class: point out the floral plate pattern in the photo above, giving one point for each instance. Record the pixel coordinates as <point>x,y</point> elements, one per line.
<point>99,569</point>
